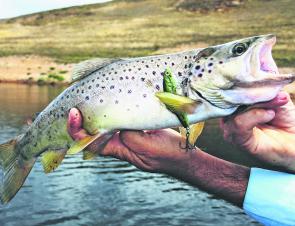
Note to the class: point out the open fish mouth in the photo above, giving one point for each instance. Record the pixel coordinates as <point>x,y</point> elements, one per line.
<point>266,62</point>
<point>262,68</point>
<point>262,80</point>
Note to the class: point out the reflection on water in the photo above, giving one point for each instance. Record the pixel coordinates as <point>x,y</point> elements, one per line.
<point>104,191</point>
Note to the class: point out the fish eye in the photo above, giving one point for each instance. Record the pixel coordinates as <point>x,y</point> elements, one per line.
<point>239,49</point>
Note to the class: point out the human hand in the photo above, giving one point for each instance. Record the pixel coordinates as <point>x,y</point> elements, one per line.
<point>266,131</point>
<point>153,151</point>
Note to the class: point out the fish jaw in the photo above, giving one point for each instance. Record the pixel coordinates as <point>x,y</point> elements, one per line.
<point>263,81</point>
<point>247,95</point>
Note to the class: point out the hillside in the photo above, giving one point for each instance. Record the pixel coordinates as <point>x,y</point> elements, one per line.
<point>136,28</point>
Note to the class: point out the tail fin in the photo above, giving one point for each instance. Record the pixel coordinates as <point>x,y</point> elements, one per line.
<point>14,170</point>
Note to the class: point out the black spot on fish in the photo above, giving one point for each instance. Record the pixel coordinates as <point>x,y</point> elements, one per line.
<point>144,95</point>
<point>142,79</point>
<point>87,98</point>
<point>200,75</point>
<point>116,101</point>
<point>103,75</point>
<point>83,83</point>
<point>210,64</point>
<point>190,65</point>
<point>82,91</point>
<point>68,96</point>
<point>152,60</point>
<point>107,78</point>
<point>139,68</point>
<point>89,87</point>
<point>185,57</point>
<point>126,77</point>
<point>97,85</point>
<point>120,90</point>
<point>132,77</point>
<point>129,69</point>
<point>209,71</point>
<point>112,68</point>
<point>157,87</point>
<point>101,100</point>
<point>165,63</point>
<point>93,80</point>
<point>112,87</point>
<point>221,62</point>
<point>190,73</point>
<point>203,70</point>
<point>147,66</point>
<point>121,78</point>
<point>179,74</point>
<point>124,70</point>
<point>172,64</point>
<point>154,73</point>
<point>211,58</point>
<point>142,61</point>
<point>116,72</point>
<point>197,67</point>
<point>103,87</point>
<point>129,91</point>
<point>185,66</point>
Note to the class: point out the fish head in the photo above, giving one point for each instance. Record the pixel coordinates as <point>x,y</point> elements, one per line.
<point>241,72</point>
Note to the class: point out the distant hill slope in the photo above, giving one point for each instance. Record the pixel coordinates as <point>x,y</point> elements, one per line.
<point>132,28</point>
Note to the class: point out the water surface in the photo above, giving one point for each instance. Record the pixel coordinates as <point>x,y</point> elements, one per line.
<point>107,191</point>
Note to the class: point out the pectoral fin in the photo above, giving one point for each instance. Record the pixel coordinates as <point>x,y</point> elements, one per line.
<point>52,159</point>
<point>83,143</point>
<point>177,102</point>
<point>195,132</point>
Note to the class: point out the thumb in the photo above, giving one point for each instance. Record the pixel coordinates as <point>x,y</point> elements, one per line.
<point>74,124</point>
<point>74,121</point>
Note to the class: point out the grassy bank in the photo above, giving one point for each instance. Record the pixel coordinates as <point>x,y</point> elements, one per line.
<point>136,28</point>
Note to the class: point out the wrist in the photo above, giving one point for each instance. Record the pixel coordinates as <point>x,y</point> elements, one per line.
<point>216,176</point>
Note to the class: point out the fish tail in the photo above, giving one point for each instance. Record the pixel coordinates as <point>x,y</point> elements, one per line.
<point>14,170</point>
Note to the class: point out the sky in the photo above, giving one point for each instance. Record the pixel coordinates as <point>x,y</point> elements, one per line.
<point>13,8</point>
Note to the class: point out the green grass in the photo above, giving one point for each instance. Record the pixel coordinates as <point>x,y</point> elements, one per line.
<point>137,28</point>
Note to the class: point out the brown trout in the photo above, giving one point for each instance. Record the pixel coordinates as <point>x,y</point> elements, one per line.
<point>119,94</point>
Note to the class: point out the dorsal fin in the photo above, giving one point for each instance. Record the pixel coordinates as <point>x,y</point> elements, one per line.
<point>85,68</point>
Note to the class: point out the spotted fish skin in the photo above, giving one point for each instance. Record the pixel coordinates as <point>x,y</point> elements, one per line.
<point>122,95</point>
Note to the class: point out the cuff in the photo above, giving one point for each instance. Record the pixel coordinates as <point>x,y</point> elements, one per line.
<point>270,197</point>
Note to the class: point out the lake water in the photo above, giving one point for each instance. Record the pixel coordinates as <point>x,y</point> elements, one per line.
<point>106,191</point>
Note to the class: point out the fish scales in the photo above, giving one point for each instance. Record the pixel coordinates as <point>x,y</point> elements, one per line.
<point>128,94</point>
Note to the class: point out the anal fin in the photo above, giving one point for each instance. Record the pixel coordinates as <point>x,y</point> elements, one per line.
<point>52,159</point>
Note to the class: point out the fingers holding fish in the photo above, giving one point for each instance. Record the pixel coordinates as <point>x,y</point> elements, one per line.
<point>238,129</point>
